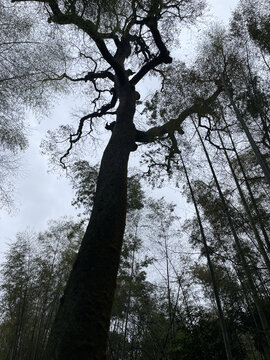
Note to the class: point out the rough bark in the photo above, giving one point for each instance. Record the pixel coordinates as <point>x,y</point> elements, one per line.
<point>82,323</point>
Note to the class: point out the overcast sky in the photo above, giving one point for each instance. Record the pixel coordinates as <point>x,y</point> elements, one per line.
<point>41,196</point>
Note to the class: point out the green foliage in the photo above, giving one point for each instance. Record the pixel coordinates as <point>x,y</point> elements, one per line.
<point>32,282</point>
<point>29,55</point>
<point>257,99</point>
<point>259,30</point>
<point>84,178</point>
<point>26,47</point>
<point>203,341</point>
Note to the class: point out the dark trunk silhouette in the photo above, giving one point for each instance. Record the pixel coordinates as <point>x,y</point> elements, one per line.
<point>82,323</point>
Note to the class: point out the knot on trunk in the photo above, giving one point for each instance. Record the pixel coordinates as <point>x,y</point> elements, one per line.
<point>110,126</point>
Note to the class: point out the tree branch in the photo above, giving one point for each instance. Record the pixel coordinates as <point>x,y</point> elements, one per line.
<point>163,57</point>
<point>201,108</point>
<point>73,138</point>
<point>91,76</point>
<point>89,28</point>
<point>99,75</point>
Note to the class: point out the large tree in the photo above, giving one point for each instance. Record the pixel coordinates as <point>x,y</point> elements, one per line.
<point>114,36</point>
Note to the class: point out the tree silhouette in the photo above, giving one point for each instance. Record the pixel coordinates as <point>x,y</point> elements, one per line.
<point>118,35</point>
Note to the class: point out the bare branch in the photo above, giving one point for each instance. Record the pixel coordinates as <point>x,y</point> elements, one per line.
<point>73,138</point>
<point>91,76</point>
<point>163,57</point>
<point>64,76</point>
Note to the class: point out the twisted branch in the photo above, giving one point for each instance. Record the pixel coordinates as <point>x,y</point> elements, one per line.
<point>201,108</point>
<point>73,138</point>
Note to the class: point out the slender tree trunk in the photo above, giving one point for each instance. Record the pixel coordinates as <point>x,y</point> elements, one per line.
<point>257,300</point>
<point>262,113</point>
<point>82,323</point>
<point>170,332</point>
<point>128,300</point>
<point>211,269</point>
<point>168,286</point>
<point>253,200</point>
<point>248,304</point>
<point>20,322</point>
<point>254,146</point>
<point>44,315</point>
<point>246,207</point>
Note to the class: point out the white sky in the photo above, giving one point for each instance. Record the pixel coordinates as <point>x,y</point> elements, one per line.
<point>41,196</point>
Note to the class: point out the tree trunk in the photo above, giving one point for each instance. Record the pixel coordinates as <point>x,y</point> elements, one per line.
<point>246,269</point>
<point>127,313</point>
<point>82,322</point>
<point>211,269</point>
<point>253,200</point>
<point>247,209</point>
<point>254,146</point>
